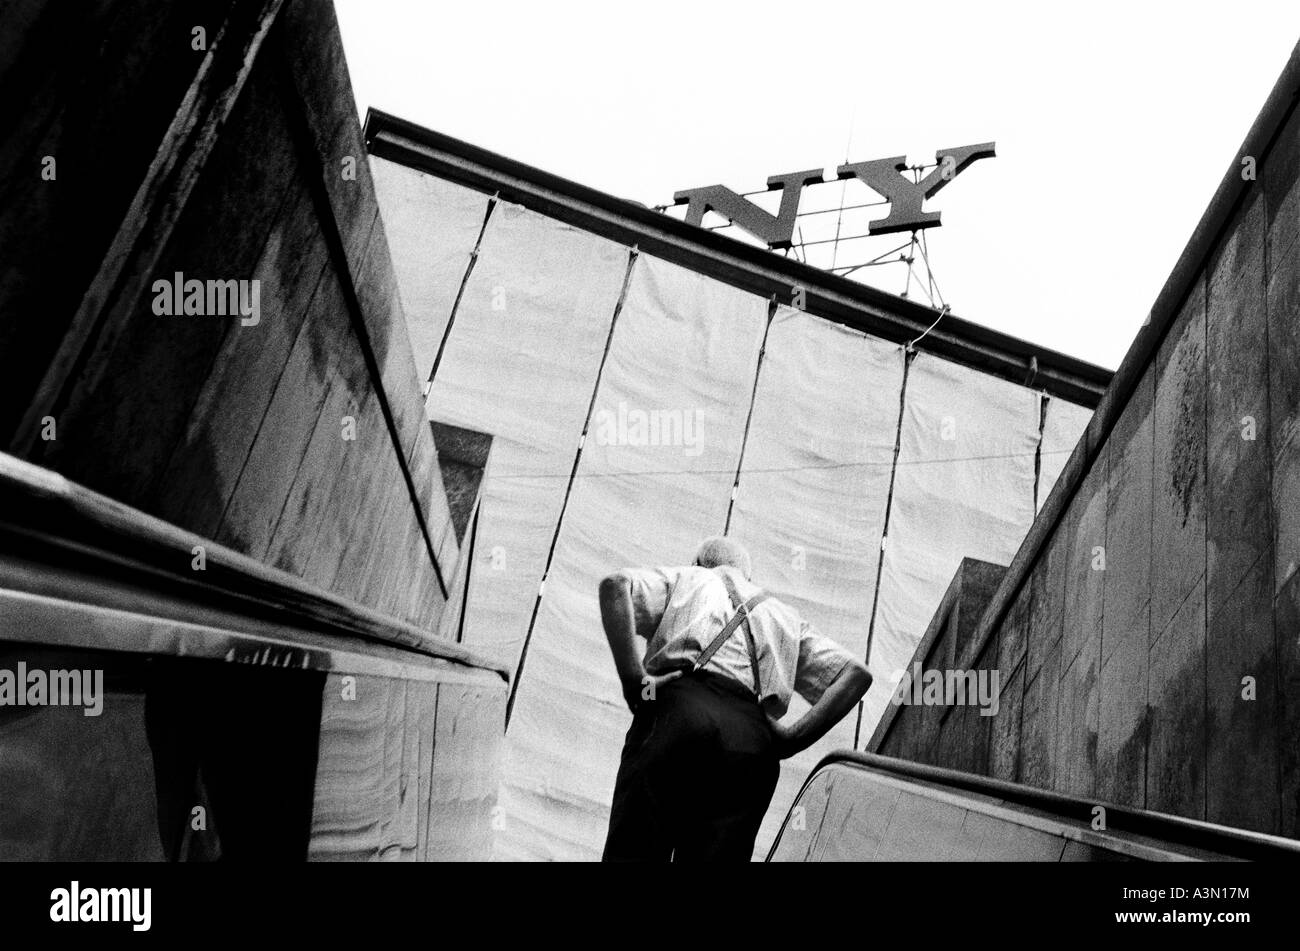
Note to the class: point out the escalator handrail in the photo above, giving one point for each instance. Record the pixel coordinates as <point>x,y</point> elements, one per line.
<point>1180,830</point>
<point>45,513</point>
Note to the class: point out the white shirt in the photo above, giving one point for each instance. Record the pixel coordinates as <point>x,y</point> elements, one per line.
<point>680,610</point>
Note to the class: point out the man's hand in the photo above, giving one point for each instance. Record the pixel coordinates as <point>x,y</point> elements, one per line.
<point>636,692</point>
<point>784,741</point>
<point>840,697</point>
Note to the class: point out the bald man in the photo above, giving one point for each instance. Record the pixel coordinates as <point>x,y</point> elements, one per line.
<point>720,662</point>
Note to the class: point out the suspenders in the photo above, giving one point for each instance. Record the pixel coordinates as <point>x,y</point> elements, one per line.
<point>740,617</point>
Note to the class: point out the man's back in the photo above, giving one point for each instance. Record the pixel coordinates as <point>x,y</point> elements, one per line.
<point>680,610</point>
<point>702,755</point>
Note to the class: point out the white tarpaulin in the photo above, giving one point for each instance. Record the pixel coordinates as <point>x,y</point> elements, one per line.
<point>432,227</point>
<point>655,477</point>
<point>964,487</point>
<point>521,363</point>
<point>810,505</point>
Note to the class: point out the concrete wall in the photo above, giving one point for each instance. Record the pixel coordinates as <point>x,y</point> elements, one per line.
<point>1146,634</point>
<point>219,141</point>
<point>235,430</point>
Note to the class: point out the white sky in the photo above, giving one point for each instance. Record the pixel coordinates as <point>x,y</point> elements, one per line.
<point>1114,121</point>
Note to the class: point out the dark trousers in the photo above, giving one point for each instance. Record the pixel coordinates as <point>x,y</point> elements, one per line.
<point>696,778</point>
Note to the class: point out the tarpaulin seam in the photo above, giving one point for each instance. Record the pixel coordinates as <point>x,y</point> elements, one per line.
<point>1043,400</point>
<point>464,281</point>
<point>753,396</point>
<point>633,253</point>
<point>884,530</point>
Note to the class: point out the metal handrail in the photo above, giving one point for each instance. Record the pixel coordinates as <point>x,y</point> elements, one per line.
<point>49,518</point>
<point>1189,833</point>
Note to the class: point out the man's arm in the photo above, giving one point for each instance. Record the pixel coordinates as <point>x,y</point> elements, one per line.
<point>618,615</point>
<point>848,687</point>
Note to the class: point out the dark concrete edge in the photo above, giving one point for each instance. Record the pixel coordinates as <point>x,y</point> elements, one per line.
<point>757,270</point>
<point>1193,833</point>
<point>1181,282</point>
<point>459,449</point>
<point>947,605</point>
<point>471,447</point>
<point>145,226</point>
<point>969,656</point>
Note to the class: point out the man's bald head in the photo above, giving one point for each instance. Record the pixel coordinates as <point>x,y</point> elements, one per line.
<point>718,550</point>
